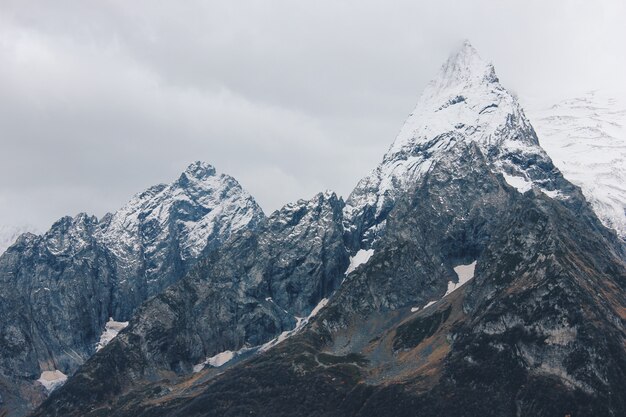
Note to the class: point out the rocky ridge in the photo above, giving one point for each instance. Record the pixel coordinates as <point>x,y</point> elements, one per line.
<point>58,290</point>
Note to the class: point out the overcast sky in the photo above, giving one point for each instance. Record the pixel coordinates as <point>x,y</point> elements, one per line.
<point>101,99</point>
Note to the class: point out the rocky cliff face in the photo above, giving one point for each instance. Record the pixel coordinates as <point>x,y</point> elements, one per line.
<point>159,234</point>
<point>258,286</point>
<point>464,276</point>
<point>58,290</point>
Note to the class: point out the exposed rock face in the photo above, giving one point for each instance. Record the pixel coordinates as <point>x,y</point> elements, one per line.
<point>256,286</point>
<point>259,284</point>
<point>539,329</point>
<point>159,234</point>
<point>58,290</point>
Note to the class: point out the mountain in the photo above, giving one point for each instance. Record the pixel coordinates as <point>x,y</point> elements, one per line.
<point>59,290</point>
<point>157,235</point>
<point>9,234</point>
<point>464,103</point>
<point>586,138</point>
<point>241,299</point>
<point>471,279</point>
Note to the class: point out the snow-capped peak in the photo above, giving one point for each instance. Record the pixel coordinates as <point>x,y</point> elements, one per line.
<point>465,102</point>
<point>463,67</point>
<point>200,170</point>
<point>202,205</point>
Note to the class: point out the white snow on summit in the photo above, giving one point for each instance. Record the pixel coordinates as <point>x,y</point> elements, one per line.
<point>464,103</point>
<point>201,205</point>
<point>586,138</point>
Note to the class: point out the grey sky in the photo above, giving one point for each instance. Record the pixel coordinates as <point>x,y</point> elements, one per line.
<point>101,99</point>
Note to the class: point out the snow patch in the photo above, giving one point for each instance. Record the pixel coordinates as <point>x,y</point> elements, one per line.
<point>221,358</point>
<point>520,183</point>
<point>360,258</point>
<point>224,357</point>
<point>300,323</point>
<point>414,309</point>
<point>465,273</point>
<point>317,308</point>
<point>52,380</point>
<point>111,329</point>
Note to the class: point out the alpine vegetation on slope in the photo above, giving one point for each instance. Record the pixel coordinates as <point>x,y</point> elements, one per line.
<point>465,102</point>
<point>58,290</point>
<point>586,138</point>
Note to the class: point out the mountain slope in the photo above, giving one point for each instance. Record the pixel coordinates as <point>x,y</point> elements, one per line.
<point>481,284</point>
<point>586,138</point>
<point>538,330</point>
<point>58,290</point>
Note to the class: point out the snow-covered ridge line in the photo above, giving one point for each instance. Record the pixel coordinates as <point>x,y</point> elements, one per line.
<point>202,201</point>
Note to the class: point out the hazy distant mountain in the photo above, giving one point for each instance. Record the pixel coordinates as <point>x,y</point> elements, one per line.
<point>586,138</point>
